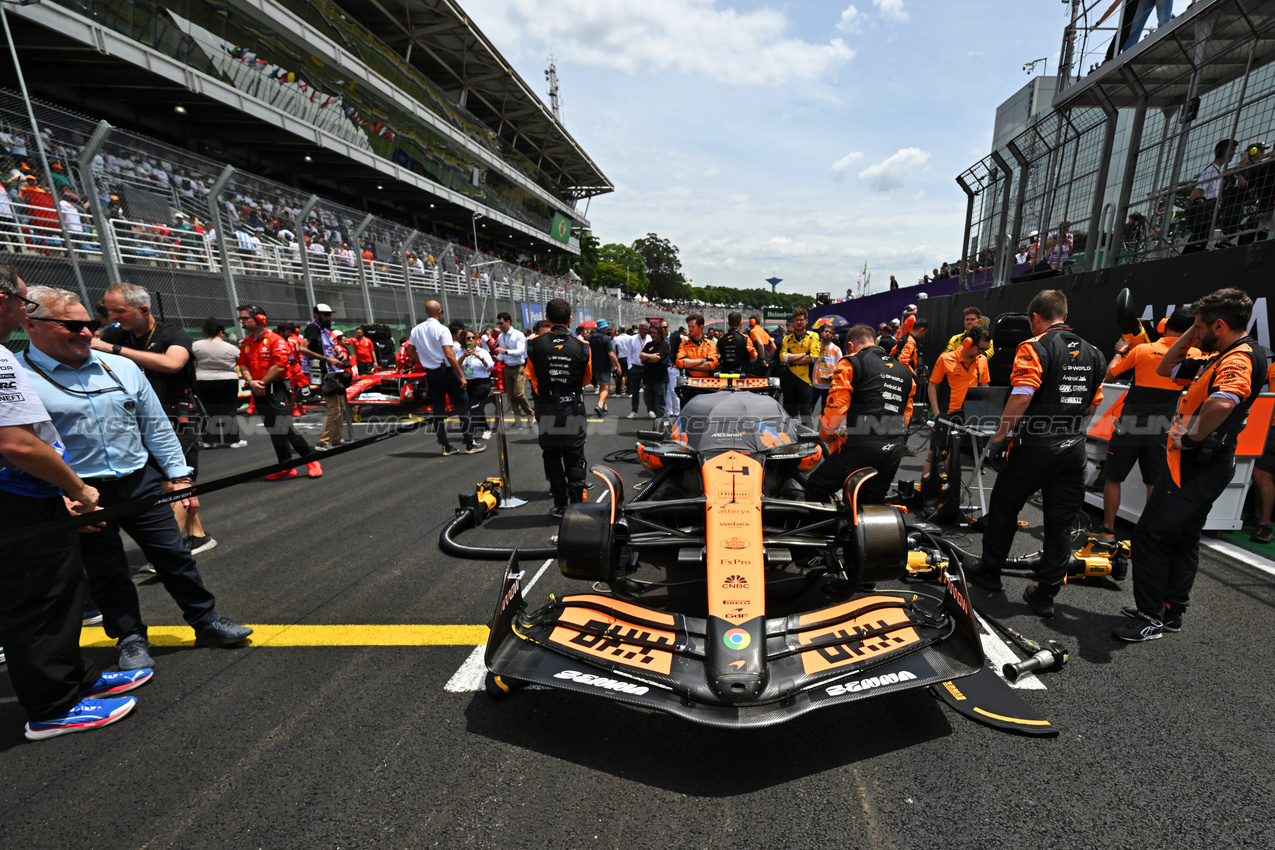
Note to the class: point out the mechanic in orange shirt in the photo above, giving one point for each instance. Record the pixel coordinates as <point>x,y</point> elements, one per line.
<point>263,355</point>
<point>909,350</point>
<point>865,419</point>
<point>1148,409</point>
<point>1200,458</point>
<point>1056,379</point>
<point>364,353</point>
<point>952,376</point>
<point>697,355</point>
<point>764,345</point>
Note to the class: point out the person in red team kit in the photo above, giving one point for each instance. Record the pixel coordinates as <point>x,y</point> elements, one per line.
<point>264,355</point>
<point>364,353</point>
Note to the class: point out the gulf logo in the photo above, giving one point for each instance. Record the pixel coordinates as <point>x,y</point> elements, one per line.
<point>736,639</point>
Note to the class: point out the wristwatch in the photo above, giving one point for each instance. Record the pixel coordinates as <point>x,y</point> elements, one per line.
<point>185,479</point>
<point>115,349</point>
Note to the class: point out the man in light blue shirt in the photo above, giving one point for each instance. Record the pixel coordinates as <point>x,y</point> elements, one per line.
<point>112,424</point>
<point>511,349</point>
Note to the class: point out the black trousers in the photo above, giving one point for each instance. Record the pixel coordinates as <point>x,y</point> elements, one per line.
<point>634,385</point>
<point>884,454</point>
<point>1058,472</point>
<point>221,401</point>
<point>798,396</point>
<point>444,386</point>
<point>479,391</point>
<point>41,608</point>
<point>282,434</point>
<point>155,531</point>
<point>1166,541</point>
<point>561,441</point>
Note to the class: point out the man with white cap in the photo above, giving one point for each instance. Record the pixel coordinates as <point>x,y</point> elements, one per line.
<point>320,343</point>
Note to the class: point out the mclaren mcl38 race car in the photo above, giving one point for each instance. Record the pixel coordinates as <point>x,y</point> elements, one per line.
<point>720,594</point>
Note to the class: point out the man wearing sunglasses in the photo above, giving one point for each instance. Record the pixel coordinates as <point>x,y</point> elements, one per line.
<point>112,423</point>
<point>41,583</point>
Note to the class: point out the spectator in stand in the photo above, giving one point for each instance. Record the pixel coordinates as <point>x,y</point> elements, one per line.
<point>511,350</point>
<point>113,424</point>
<point>217,385</point>
<point>825,366</point>
<point>1164,14</point>
<point>1058,248</point>
<point>894,284</point>
<point>1202,202</point>
<point>263,356</point>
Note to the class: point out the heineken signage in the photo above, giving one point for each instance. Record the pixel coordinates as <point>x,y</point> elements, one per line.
<point>776,314</point>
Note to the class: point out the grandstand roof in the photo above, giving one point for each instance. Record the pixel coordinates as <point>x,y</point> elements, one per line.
<point>448,48</point>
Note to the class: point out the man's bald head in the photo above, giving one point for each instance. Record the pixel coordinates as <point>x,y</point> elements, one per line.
<point>433,309</point>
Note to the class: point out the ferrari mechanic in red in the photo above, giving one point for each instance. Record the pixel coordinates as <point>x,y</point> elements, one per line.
<point>264,355</point>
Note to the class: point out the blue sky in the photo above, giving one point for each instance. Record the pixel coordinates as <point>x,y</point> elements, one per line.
<point>795,138</point>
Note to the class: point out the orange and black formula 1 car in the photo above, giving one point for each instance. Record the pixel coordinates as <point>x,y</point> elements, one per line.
<point>721,595</point>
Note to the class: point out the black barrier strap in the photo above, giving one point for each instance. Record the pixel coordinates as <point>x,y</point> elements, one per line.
<point>136,506</point>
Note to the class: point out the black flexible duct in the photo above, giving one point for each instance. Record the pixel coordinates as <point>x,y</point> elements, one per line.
<point>463,521</point>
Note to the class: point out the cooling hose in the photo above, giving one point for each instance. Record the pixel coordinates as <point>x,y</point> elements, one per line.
<point>463,521</point>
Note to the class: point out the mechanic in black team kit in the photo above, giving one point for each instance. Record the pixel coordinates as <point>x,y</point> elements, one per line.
<point>1200,458</point>
<point>864,419</point>
<point>735,352</point>
<point>558,368</point>
<point>1057,378</point>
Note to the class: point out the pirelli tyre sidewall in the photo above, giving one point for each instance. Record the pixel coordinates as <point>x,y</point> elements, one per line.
<point>586,542</point>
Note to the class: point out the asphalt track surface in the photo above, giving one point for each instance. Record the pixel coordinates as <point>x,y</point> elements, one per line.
<point>1166,744</point>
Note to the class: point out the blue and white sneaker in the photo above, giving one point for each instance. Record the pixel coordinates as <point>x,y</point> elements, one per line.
<point>109,684</point>
<point>89,714</point>
<point>2,655</point>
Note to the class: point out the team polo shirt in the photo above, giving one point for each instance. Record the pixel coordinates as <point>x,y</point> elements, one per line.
<point>955,377</point>
<point>692,350</point>
<point>807,343</point>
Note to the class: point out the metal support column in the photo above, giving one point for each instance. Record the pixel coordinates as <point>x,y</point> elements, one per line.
<point>302,217</point>
<point>1006,261</point>
<point>357,236</point>
<point>1130,166</point>
<point>105,234</point>
<point>1178,157</point>
<point>214,210</point>
<point>407,276</point>
<point>1096,242</point>
<point>965,238</point>
<point>1024,175</point>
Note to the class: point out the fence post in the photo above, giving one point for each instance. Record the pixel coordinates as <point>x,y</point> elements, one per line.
<point>214,210</point>
<point>306,277</point>
<point>407,276</point>
<point>358,258</point>
<point>105,235</point>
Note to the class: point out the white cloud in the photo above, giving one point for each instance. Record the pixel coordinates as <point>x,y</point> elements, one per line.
<point>894,171</point>
<point>892,10</point>
<point>712,172</point>
<point>692,37</point>
<point>845,161</point>
<point>851,20</point>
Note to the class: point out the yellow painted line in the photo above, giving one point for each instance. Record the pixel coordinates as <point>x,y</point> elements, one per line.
<point>275,635</point>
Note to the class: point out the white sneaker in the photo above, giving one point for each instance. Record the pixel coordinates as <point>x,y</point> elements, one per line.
<point>632,415</point>
<point>651,413</point>
<point>239,445</point>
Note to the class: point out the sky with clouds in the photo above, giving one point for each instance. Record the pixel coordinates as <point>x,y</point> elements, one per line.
<point>800,139</point>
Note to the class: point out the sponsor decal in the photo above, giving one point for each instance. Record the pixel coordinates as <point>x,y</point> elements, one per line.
<point>737,615</point>
<point>737,665</point>
<point>736,602</point>
<point>735,562</point>
<point>736,582</point>
<point>957,596</point>
<point>618,685</point>
<point>953,691</point>
<point>737,639</point>
<point>856,685</point>
<point>12,398</point>
<point>735,543</point>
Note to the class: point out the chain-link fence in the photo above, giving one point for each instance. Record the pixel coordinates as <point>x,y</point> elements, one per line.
<point>202,238</point>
